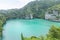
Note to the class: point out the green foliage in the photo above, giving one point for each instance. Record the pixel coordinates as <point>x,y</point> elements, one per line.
<point>22,38</point>
<point>55,7</point>
<point>53,34</point>
<point>2,20</point>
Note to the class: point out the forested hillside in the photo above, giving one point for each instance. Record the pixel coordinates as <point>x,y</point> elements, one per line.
<point>36,9</point>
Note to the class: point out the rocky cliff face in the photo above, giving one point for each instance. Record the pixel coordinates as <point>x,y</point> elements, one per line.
<point>54,15</point>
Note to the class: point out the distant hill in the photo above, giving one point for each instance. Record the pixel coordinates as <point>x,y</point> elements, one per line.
<point>34,9</point>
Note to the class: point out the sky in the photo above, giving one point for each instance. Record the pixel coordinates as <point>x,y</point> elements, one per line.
<point>11,4</point>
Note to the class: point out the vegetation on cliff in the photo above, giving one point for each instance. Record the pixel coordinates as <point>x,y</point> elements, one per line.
<point>36,8</point>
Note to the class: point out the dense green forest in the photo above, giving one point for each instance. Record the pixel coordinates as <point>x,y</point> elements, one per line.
<point>34,9</point>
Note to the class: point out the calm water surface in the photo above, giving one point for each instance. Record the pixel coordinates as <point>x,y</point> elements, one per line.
<point>34,27</point>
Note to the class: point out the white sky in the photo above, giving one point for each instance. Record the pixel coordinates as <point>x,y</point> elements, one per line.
<point>11,4</point>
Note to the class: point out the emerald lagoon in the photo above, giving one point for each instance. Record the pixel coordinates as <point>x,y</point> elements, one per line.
<point>34,27</point>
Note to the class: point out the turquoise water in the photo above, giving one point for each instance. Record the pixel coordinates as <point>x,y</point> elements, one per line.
<point>34,27</point>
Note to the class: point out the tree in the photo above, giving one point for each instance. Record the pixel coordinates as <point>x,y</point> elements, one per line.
<point>22,38</point>
<point>54,33</point>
